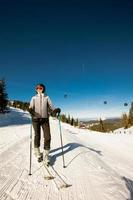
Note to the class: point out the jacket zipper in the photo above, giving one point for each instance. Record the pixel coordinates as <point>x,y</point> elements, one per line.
<point>41,105</point>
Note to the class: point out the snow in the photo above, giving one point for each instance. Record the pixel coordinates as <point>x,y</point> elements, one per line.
<point>98,165</point>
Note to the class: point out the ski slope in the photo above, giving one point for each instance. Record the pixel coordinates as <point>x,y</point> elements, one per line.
<point>99,166</point>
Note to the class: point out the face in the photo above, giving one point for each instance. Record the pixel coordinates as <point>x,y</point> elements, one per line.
<point>39,89</point>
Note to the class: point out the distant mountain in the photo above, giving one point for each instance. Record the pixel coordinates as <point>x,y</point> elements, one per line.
<point>86,119</point>
<point>94,120</point>
<point>113,120</point>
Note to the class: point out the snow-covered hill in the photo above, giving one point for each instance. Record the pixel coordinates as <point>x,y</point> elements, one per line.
<point>98,165</point>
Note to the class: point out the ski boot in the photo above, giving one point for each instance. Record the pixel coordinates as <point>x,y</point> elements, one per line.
<point>38,154</point>
<point>46,158</point>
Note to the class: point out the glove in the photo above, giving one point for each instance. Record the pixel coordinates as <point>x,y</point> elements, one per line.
<point>33,113</point>
<point>56,111</point>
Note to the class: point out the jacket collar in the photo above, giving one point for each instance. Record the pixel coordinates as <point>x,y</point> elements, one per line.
<point>40,95</point>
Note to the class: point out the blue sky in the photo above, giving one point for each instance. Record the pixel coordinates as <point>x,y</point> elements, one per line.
<point>79,48</point>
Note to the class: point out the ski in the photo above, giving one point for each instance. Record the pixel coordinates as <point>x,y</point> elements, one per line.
<point>52,174</point>
<point>51,170</point>
<point>40,161</point>
<point>48,177</point>
<point>64,183</point>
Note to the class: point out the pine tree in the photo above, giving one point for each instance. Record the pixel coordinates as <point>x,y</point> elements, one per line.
<point>3,96</point>
<point>63,118</point>
<point>76,123</point>
<point>102,129</point>
<point>125,120</point>
<point>131,114</point>
<point>72,121</point>
<point>69,119</point>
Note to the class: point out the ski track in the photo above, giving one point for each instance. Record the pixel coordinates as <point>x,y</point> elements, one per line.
<point>86,171</point>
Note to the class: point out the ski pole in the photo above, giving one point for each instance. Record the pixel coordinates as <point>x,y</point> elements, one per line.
<point>30,147</point>
<point>61,141</point>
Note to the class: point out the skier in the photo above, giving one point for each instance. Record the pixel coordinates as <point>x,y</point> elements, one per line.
<point>39,108</point>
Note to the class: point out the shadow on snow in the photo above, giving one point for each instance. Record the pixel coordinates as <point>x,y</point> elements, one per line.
<point>69,147</point>
<point>129,185</point>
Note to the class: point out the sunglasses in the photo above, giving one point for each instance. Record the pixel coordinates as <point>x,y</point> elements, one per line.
<point>39,88</point>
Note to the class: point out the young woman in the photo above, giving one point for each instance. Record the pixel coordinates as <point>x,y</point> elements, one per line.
<point>39,108</point>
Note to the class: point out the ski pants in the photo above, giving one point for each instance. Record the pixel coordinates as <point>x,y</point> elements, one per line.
<point>37,124</point>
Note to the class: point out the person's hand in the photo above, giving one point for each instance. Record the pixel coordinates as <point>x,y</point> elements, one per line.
<point>31,111</point>
<point>57,111</point>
